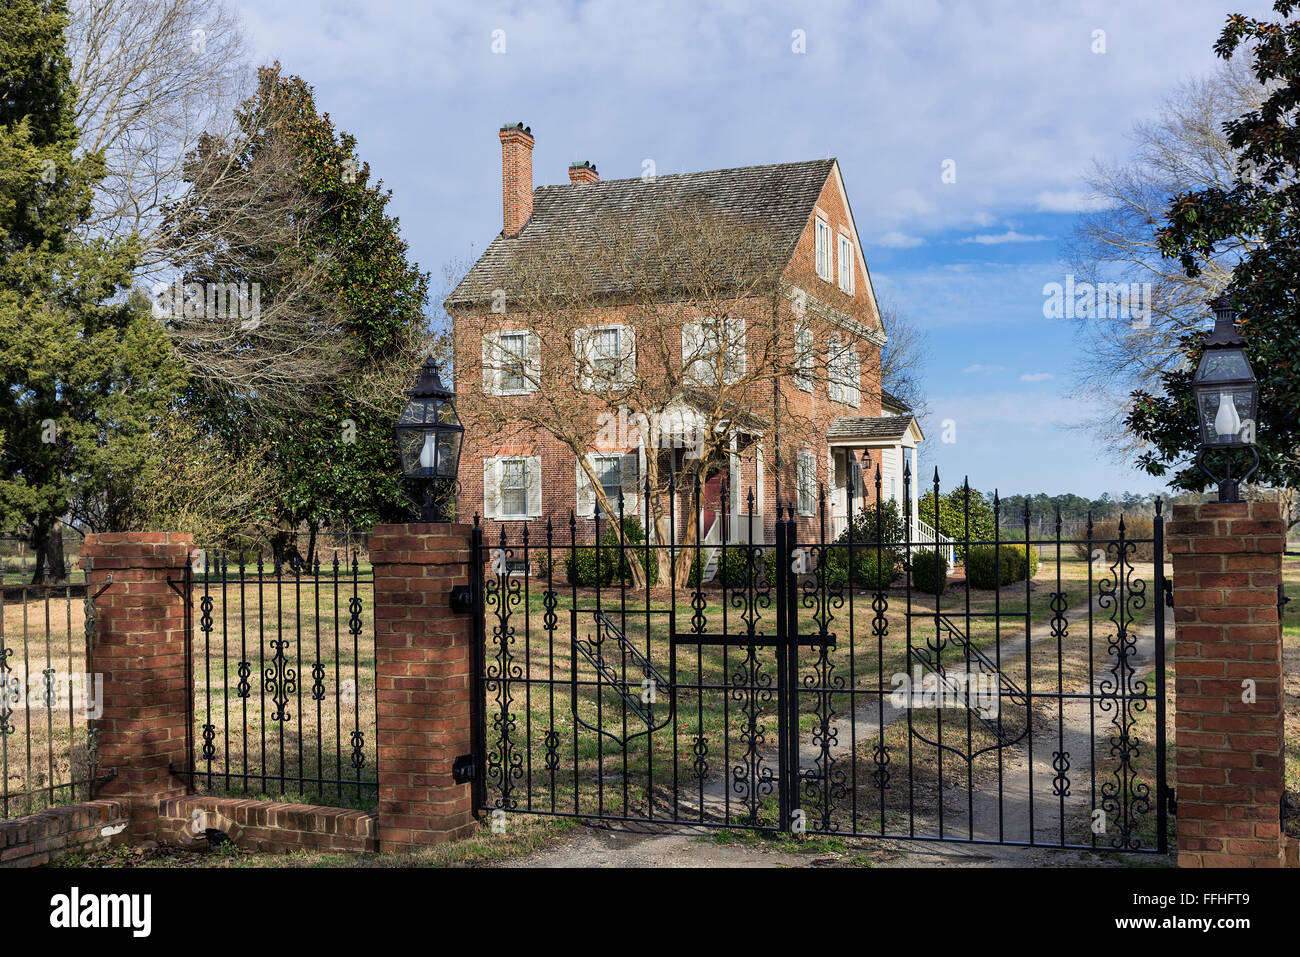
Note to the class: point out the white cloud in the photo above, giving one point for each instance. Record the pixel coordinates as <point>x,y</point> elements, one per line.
<point>1036,377</point>
<point>1010,236</point>
<point>1067,201</point>
<point>977,367</point>
<point>897,240</point>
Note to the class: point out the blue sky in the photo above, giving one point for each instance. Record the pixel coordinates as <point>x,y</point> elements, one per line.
<point>1012,92</point>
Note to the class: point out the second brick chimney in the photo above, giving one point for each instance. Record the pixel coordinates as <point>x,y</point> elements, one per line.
<point>516,177</point>
<point>584,172</point>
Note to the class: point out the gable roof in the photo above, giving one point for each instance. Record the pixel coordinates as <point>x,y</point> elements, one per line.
<point>893,401</point>
<point>777,198</point>
<point>884,428</point>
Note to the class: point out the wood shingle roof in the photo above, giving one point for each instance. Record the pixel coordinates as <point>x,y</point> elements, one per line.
<point>777,199</point>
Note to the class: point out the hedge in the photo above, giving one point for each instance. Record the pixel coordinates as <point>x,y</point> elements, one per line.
<point>1006,563</point>
<point>612,564</point>
<point>926,566</point>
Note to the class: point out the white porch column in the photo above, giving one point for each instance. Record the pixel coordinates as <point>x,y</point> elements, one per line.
<point>916,485</point>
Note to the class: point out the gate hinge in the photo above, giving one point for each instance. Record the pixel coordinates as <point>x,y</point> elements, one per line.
<point>1172,798</point>
<point>462,599</point>
<point>1290,808</point>
<point>1169,593</point>
<point>464,770</point>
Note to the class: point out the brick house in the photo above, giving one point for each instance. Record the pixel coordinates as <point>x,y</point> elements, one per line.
<point>527,475</point>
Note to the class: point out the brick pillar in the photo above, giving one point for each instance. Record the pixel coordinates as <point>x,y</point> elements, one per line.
<point>139,648</point>
<point>1227,561</point>
<point>424,677</point>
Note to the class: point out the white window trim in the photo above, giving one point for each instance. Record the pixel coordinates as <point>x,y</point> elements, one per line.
<point>841,386</point>
<point>846,259</point>
<point>805,356</point>
<point>617,457</point>
<point>584,490</point>
<point>584,341</point>
<point>808,472</point>
<point>491,364</point>
<point>822,228</point>
<point>700,369</point>
<point>502,514</point>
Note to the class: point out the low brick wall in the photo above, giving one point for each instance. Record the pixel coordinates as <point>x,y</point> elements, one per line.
<point>40,838</point>
<point>267,826</point>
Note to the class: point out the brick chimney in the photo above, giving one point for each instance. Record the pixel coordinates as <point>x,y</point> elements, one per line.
<point>583,172</point>
<point>516,177</point>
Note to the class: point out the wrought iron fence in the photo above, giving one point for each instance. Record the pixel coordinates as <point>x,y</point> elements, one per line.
<point>48,698</point>
<point>828,684</point>
<point>281,662</point>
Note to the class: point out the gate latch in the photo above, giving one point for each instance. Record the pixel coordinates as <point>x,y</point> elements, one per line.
<point>463,770</point>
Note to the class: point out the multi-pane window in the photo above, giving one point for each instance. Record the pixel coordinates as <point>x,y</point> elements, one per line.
<point>846,264</point>
<point>844,368</point>
<point>514,487</point>
<point>707,341</point>
<point>511,362</point>
<point>609,469</point>
<point>607,353</point>
<point>807,482</point>
<point>604,357</point>
<point>822,242</point>
<point>804,357</point>
<point>512,349</point>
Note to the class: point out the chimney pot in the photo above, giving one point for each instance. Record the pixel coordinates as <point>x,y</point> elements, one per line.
<point>516,177</point>
<point>583,172</point>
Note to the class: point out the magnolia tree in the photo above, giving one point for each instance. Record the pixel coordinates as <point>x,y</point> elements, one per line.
<point>706,332</point>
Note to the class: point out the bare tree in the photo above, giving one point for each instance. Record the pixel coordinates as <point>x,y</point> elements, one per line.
<point>903,358</point>
<point>255,316</point>
<point>152,76</point>
<point>710,311</point>
<point>1182,149</point>
<point>192,483</point>
<point>251,315</point>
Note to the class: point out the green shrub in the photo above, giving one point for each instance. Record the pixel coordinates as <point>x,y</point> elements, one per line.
<point>1017,554</point>
<point>869,570</point>
<point>1006,563</point>
<point>610,564</point>
<point>733,567</point>
<point>927,568</point>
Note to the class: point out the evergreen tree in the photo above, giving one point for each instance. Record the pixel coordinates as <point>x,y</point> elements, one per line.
<point>333,455</point>
<point>86,370</point>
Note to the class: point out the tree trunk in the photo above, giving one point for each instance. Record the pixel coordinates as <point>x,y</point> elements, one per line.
<point>311,544</point>
<point>50,568</point>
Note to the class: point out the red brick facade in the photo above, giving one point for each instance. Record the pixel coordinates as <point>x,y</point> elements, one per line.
<point>139,648</point>
<point>423,678</point>
<point>1227,561</point>
<point>815,411</point>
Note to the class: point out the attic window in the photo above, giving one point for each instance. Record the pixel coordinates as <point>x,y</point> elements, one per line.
<point>822,242</point>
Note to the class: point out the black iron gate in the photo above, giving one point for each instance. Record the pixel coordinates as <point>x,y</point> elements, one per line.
<point>826,680</point>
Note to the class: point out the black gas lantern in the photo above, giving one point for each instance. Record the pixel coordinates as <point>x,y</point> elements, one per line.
<point>1227,399</point>
<point>428,440</point>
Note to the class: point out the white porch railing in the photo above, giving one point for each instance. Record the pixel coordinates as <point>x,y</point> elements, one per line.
<point>923,536</point>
